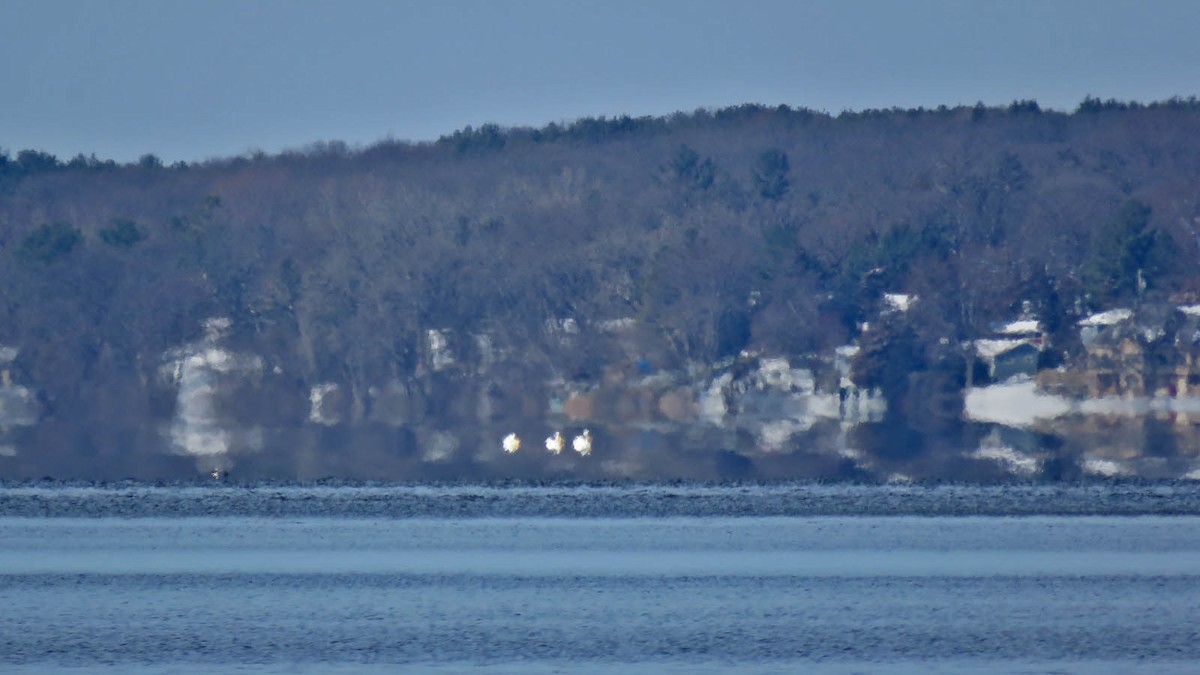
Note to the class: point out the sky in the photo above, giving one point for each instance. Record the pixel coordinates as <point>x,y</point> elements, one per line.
<point>192,80</point>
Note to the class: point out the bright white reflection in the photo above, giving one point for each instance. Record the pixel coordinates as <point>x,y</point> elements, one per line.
<point>583,443</point>
<point>512,443</point>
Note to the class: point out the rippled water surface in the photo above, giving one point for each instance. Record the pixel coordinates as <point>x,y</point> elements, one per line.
<point>267,579</point>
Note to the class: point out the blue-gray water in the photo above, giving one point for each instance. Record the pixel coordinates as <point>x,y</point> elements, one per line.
<point>840,579</point>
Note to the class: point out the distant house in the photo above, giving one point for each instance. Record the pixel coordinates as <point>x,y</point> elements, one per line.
<point>1012,350</point>
<point>18,405</point>
<point>1115,363</point>
<point>1154,353</point>
<point>1182,377</point>
<point>1092,326</point>
<point>1116,348</point>
<point>439,355</point>
<point>1021,360</point>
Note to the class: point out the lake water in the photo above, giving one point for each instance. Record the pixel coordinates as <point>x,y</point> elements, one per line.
<point>678,579</point>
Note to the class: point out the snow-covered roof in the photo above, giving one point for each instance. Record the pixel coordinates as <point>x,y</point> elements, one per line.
<point>900,301</point>
<point>847,351</point>
<point>613,325</point>
<point>1020,327</point>
<point>567,326</point>
<point>990,349</point>
<point>1109,318</point>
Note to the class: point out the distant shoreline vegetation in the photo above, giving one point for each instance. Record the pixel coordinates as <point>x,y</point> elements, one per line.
<point>490,136</point>
<point>749,293</point>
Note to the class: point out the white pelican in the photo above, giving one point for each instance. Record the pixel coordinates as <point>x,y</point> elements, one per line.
<point>583,443</point>
<point>555,443</point>
<point>511,443</point>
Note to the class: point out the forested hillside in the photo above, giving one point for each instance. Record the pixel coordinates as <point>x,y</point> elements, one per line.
<point>772,231</point>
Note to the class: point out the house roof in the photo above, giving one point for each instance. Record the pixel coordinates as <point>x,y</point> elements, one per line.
<point>899,301</point>
<point>1109,318</point>
<point>990,349</point>
<point>1019,327</point>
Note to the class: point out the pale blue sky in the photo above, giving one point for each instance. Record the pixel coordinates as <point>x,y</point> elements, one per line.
<point>197,79</point>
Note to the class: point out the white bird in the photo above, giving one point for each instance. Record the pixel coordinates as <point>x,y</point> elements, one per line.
<point>555,443</point>
<point>512,443</point>
<point>583,443</point>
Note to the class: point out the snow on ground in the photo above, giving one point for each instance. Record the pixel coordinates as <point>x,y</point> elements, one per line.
<point>1016,404</point>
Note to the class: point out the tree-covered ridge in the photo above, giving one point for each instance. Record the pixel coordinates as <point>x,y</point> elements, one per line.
<point>757,229</point>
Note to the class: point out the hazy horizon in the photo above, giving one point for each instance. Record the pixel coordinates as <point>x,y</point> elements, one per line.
<point>192,81</point>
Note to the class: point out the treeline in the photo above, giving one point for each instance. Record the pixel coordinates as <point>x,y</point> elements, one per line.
<point>774,229</point>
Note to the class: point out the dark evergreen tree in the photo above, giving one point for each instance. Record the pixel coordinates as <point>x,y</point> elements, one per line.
<point>1127,255</point>
<point>49,242</point>
<point>771,174</point>
<point>122,233</point>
